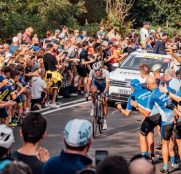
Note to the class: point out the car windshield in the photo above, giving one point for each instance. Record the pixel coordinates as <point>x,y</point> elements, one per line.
<point>133,62</point>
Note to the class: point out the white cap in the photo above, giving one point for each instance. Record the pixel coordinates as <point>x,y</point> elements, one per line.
<point>15,39</point>
<point>77,132</point>
<point>6,136</point>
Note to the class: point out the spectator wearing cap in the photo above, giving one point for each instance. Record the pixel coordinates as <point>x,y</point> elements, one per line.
<point>6,141</point>
<point>77,139</point>
<point>15,45</point>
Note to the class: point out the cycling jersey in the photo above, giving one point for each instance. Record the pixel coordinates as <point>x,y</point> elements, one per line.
<point>141,97</point>
<point>160,100</point>
<point>5,91</point>
<point>103,78</point>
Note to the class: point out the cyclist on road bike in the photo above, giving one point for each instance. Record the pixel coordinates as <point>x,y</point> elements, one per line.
<point>99,81</point>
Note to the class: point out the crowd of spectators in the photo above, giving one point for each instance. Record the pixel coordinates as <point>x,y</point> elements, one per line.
<point>35,73</point>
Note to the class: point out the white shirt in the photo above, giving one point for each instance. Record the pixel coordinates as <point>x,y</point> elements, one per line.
<point>144,33</point>
<point>38,85</point>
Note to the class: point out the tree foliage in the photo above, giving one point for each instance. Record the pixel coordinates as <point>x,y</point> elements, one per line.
<point>42,15</point>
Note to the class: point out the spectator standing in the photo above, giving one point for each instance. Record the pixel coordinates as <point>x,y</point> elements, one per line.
<point>144,33</point>
<point>77,139</point>
<point>27,35</point>
<point>32,131</point>
<point>160,45</point>
<point>15,45</point>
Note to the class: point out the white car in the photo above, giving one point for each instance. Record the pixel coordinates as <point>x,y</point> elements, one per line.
<point>129,69</point>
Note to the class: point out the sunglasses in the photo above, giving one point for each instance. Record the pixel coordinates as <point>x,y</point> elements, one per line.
<point>98,70</point>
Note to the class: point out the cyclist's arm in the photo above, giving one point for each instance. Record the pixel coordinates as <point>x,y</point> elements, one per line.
<point>107,81</point>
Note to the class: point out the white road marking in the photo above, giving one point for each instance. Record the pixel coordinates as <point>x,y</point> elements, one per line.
<point>65,107</point>
<point>63,104</point>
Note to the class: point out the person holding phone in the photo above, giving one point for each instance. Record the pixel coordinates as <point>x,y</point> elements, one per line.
<point>141,95</point>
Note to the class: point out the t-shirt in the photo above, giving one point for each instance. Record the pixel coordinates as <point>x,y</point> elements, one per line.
<point>66,163</point>
<point>6,90</point>
<point>174,84</point>
<point>13,48</point>
<point>50,62</point>
<point>143,34</point>
<point>34,163</point>
<point>141,97</point>
<point>161,100</point>
<point>37,87</point>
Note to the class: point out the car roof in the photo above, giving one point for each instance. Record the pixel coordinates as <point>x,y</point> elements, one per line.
<point>150,55</point>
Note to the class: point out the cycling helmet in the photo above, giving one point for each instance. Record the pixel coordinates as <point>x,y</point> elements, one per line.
<point>96,65</point>
<point>6,136</point>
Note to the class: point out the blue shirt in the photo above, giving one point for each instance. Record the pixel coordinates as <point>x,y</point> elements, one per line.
<point>6,90</point>
<point>13,48</point>
<point>141,97</point>
<point>160,100</point>
<point>179,94</point>
<point>22,81</point>
<point>66,163</point>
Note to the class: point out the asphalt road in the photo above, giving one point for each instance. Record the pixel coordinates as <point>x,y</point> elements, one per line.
<point>121,138</point>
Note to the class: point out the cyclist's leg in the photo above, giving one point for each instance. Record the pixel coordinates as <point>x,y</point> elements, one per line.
<point>104,101</point>
<point>93,98</point>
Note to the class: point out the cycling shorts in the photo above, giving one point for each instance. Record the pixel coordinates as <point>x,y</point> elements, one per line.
<point>149,124</point>
<point>166,131</point>
<point>178,130</point>
<point>3,113</point>
<point>100,86</point>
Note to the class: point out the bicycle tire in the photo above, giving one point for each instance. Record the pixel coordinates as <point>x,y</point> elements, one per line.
<point>95,120</point>
<point>94,126</point>
<point>100,121</point>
